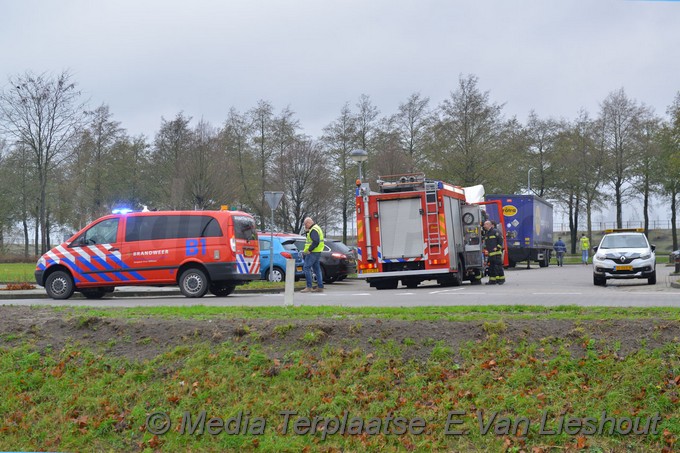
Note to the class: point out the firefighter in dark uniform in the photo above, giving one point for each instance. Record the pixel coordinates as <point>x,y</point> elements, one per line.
<point>493,244</point>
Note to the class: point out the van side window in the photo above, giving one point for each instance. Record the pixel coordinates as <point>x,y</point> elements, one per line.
<point>244,227</point>
<point>147,228</point>
<point>105,232</point>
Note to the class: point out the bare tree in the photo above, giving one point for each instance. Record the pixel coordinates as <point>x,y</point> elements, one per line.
<point>541,135</point>
<point>669,140</point>
<point>306,187</point>
<point>340,137</point>
<point>42,113</point>
<point>262,119</point>
<point>170,154</point>
<point>235,142</point>
<point>202,168</point>
<point>647,167</point>
<point>467,136</point>
<point>621,118</point>
<point>412,123</point>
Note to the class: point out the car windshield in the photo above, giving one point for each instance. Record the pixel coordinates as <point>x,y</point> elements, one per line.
<point>624,241</point>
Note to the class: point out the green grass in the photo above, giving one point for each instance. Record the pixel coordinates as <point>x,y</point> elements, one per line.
<point>77,400</point>
<point>494,315</point>
<point>17,272</point>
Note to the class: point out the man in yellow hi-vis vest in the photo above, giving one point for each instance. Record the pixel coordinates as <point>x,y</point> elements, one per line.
<point>312,252</point>
<point>585,248</point>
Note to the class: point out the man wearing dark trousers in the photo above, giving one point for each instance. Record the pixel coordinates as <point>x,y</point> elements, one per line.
<point>314,245</point>
<point>493,244</point>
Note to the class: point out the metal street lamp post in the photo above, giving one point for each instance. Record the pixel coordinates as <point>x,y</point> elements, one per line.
<point>529,179</point>
<point>359,156</point>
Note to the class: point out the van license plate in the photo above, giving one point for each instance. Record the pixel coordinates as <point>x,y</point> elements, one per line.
<point>624,268</point>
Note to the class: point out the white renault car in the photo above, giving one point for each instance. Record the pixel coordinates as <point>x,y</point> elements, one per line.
<point>624,254</point>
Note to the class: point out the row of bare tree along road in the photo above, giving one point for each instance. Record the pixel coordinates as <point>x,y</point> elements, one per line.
<point>63,164</point>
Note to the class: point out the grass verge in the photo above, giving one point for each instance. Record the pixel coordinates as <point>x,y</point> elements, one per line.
<point>482,313</point>
<point>497,396</point>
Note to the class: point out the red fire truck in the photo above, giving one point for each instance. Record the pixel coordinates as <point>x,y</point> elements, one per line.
<point>415,229</point>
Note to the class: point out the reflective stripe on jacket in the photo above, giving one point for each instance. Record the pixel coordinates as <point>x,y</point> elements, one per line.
<point>493,242</point>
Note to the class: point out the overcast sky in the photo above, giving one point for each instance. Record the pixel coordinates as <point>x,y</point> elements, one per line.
<point>149,59</point>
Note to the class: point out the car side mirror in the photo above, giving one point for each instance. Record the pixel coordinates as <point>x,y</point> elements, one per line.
<point>595,249</point>
<point>653,247</point>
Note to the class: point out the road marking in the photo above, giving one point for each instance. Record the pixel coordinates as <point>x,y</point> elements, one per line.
<point>556,294</point>
<point>360,294</point>
<point>443,291</point>
<point>404,294</point>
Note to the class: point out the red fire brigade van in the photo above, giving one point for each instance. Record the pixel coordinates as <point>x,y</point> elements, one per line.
<point>198,250</point>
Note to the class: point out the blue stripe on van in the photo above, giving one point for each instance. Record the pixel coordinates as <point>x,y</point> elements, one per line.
<point>78,269</point>
<point>110,269</point>
<point>81,260</point>
<point>125,268</point>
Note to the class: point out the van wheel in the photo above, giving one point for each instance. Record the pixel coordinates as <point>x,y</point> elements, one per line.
<point>193,283</point>
<point>222,290</point>
<point>59,285</point>
<point>278,275</point>
<point>97,293</point>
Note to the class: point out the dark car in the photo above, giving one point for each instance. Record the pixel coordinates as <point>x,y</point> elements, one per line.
<point>337,260</point>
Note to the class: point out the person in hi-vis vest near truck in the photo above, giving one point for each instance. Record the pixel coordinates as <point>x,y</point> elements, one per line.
<point>312,252</point>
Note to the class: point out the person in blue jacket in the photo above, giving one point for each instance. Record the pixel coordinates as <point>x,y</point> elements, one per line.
<point>560,249</point>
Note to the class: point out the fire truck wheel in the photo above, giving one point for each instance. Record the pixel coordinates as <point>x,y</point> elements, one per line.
<point>410,283</point>
<point>59,285</point>
<point>193,283</point>
<point>390,283</point>
<point>222,289</point>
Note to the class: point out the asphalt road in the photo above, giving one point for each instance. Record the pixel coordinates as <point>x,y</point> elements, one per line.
<point>568,285</point>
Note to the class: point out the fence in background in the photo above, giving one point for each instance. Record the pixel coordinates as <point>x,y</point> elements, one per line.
<point>601,226</point>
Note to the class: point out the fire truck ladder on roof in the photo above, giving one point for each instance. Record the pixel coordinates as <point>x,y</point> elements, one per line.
<point>434,238</point>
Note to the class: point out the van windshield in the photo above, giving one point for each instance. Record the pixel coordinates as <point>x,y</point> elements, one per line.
<point>244,227</point>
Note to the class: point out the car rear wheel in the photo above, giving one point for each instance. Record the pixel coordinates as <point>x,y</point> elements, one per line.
<point>278,275</point>
<point>651,280</point>
<point>59,285</point>
<point>315,277</point>
<point>193,283</point>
